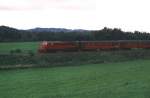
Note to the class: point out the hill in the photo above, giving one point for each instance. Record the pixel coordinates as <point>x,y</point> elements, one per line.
<point>56,30</point>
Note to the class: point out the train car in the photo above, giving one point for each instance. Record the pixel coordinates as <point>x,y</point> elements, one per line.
<point>131,44</point>
<point>66,46</point>
<point>99,45</point>
<point>55,46</point>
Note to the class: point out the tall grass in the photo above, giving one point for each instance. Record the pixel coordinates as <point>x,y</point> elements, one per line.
<point>71,58</point>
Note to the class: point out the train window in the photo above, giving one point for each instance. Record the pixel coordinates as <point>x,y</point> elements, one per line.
<point>52,43</point>
<point>146,43</point>
<point>45,43</point>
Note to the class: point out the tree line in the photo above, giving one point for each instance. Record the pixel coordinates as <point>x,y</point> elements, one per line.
<point>8,34</point>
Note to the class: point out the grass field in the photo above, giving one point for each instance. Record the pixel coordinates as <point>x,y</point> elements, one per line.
<point>24,46</point>
<point>115,80</point>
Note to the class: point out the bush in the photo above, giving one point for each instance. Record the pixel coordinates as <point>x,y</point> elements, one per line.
<point>11,52</point>
<point>18,51</point>
<point>31,53</point>
<point>15,51</point>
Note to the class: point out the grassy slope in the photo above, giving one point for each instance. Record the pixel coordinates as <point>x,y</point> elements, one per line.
<point>24,46</point>
<point>114,80</point>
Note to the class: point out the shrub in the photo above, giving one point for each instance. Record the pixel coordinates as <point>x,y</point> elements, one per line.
<point>15,51</point>
<point>11,52</point>
<point>18,51</point>
<point>31,53</point>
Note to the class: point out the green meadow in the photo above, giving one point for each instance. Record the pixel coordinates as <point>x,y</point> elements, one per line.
<point>114,80</point>
<point>6,47</point>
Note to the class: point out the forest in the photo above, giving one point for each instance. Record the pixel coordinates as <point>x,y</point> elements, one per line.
<point>8,34</point>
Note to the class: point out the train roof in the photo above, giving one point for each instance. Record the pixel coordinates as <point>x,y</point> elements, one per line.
<point>99,41</point>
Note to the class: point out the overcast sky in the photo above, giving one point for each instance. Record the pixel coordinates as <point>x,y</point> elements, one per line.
<point>128,15</point>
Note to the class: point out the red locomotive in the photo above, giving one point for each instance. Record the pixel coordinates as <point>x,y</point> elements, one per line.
<point>54,46</point>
